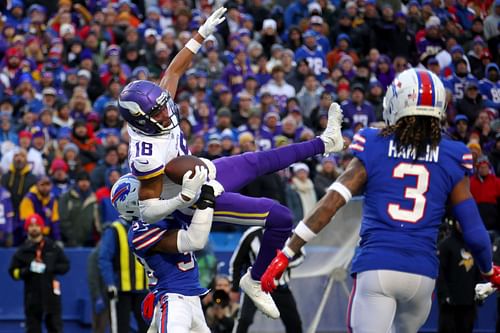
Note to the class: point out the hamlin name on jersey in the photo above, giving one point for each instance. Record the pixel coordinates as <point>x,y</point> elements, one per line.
<point>405,201</point>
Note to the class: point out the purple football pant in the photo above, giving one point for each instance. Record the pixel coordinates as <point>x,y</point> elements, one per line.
<point>235,172</point>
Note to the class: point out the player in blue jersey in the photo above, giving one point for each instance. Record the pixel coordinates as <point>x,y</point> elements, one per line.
<point>166,251</point>
<point>408,173</point>
<point>490,86</point>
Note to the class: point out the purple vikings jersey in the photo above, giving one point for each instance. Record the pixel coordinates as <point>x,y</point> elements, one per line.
<point>405,200</point>
<point>168,272</point>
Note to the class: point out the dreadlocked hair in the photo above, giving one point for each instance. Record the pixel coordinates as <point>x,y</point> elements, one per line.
<point>416,132</point>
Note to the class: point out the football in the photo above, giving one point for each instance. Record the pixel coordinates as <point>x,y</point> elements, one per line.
<point>176,168</point>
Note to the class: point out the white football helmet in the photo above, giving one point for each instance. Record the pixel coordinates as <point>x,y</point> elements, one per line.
<point>414,92</point>
<point>125,197</point>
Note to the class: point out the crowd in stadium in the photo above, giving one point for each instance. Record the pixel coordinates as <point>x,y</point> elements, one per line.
<point>264,80</point>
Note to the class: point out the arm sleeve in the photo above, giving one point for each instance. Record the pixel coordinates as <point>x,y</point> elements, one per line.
<point>155,210</point>
<point>475,235</point>
<point>106,254</point>
<point>196,236</point>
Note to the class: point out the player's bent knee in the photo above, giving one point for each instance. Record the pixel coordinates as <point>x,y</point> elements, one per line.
<point>279,218</point>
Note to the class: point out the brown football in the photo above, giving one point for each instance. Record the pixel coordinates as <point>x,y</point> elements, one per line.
<point>176,168</point>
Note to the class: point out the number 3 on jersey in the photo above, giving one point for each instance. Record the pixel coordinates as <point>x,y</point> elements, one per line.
<point>188,264</point>
<point>417,194</point>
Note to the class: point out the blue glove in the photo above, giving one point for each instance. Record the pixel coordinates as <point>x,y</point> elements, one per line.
<point>99,306</point>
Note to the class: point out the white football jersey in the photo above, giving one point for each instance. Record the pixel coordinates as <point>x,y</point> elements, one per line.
<point>148,156</point>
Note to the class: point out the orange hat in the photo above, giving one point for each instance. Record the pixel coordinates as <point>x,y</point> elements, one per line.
<point>33,218</point>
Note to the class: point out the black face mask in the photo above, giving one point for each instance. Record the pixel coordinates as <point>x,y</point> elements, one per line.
<point>462,74</point>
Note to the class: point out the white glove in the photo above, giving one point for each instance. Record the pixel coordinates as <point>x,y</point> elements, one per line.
<point>212,170</point>
<point>37,267</point>
<point>483,290</point>
<point>191,186</point>
<point>218,188</point>
<point>212,22</point>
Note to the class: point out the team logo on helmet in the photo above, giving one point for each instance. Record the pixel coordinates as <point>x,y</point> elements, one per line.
<point>121,193</point>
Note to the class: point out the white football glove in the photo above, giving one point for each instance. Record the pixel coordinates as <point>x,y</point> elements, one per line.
<point>218,188</point>
<point>191,186</point>
<point>212,22</point>
<point>212,170</point>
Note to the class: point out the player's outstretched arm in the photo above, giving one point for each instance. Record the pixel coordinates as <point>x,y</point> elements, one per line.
<point>182,60</point>
<point>196,236</point>
<point>350,182</point>
<point>475,235</point>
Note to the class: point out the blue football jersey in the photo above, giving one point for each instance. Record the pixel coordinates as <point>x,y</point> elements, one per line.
<point>405,201</point>
<point>168,272</point>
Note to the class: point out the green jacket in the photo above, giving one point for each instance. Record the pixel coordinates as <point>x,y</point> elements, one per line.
<point>79,219</point>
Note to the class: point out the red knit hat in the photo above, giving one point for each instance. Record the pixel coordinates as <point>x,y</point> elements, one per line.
<point>33,218</point>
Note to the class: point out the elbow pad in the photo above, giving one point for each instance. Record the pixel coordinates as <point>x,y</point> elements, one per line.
<point>155,210</point>
<point>196,236</point>
<point>475,235</point>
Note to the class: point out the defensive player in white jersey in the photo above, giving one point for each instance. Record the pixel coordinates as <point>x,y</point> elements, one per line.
<point>156,139</point>
<point>408,174</point>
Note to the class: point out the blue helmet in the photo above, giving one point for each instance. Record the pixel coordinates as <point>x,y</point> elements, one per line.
<point>140,101</point>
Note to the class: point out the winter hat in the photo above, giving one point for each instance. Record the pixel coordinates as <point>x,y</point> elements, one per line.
<point>33,219</point>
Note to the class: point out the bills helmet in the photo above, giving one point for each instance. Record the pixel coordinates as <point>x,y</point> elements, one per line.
<point>140,101</point>
<point>414,92</point>
<point>125,197</point>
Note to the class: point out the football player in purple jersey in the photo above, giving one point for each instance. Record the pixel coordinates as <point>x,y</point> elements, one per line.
<point>408,173</point>
<point>156,138</point>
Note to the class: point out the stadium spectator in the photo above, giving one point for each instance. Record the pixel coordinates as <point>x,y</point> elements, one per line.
<point>59,177</point>
<point>304,187</point>
<point>79,214</point>
<point>18,180</point>
<point>37,262</point>
<point>309,95</point>
<point>88,145</point>
<point>461,129</point>
<point>326,175</point>
<point>472,102</point>
<point>34,156</point>
<point>71,158</point>
<point>40,200</point>
<point>485,188</point>
<point>357,110</point>
<point>99,174</point>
